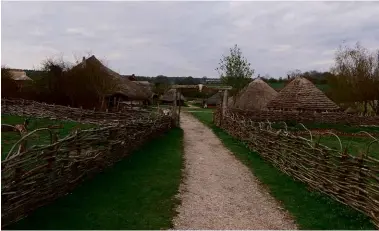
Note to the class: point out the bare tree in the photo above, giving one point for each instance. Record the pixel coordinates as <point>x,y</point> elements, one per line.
<point>356,76</point>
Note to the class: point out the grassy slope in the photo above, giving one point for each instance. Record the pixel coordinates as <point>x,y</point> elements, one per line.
<point>311,210</point>
<point>8,139</point>
<point>137,193</point>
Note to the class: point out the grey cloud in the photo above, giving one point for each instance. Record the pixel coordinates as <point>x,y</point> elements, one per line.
<point>186,38</point>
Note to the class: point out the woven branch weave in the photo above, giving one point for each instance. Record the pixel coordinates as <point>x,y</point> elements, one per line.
<point>351,180</point>
<point>309,117</point>
<point>42,174</point>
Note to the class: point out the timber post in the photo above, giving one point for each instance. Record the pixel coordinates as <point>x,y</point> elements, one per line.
<point>174,114</point>
<point>224,102</point>
<point>180,102</point>
<point>200,86</point>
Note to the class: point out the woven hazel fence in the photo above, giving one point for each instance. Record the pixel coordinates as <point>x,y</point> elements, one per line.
<point>351,180</point>
<point>41,174</point>
<point>42,110</point>
<point>309,117</point>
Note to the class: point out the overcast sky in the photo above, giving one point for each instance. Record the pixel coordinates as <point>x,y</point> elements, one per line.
<point>186,38</point>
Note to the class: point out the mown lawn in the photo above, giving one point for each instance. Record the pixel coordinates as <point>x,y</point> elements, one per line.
<point>8,139</point>
<point>310,209</point>
<point>137,193</point>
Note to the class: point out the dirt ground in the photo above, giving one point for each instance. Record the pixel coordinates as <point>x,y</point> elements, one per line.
<point>218,191</point>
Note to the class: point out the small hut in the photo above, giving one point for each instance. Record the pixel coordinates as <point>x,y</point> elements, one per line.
<point>301,95</point>
<point>255,96</point>
<point>20,77</point>
<point>168,98</point>
<point>148,88</point>
<point>214,100</point>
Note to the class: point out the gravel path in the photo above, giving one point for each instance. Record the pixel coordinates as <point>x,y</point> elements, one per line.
<point>218,191</point>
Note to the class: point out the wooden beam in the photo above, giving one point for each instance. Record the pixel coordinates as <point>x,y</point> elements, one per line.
<point>184,86</point>
<point>204,86</point>
<point>220,87</point>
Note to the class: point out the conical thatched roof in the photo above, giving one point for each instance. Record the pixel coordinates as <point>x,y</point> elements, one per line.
<point>255,96</point>
<point>215,99</point>
<point>169,96</point>
<point>122,85</point>
<point>301,94</point>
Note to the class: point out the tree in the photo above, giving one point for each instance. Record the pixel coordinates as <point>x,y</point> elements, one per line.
<point>51,86</point>
<point>356,77</point>
<point>293,74</point>
<point>235,70</point>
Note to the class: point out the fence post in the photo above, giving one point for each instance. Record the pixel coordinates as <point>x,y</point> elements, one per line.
<point>174,109</point>
<point>224,106</point>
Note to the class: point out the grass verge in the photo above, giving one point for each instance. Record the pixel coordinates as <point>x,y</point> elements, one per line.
<point>311,210</point>
<point>136,193</point>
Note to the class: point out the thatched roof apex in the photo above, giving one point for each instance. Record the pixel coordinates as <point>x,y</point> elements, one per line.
<point>301,94</point>
<point>255,96</point>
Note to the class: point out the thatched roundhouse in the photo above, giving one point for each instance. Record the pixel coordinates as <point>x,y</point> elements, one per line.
<point>255,96</point>
<point>301,95</point>
<point>168,97</point>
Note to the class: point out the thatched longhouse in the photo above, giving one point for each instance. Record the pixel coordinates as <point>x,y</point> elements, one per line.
<point>255,96</point>
<point>122,90</point>
<point>301,95</point>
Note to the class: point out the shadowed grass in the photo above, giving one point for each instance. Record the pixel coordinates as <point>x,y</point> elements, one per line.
<point>310,209</point>
<point>136,193</point>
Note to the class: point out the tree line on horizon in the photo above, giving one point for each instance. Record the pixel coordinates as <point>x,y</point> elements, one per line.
<point>353,78</point>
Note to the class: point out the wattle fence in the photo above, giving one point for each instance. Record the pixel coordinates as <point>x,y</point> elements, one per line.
<point>349,179</point>
<point>41,174</point>
<point>309,117</point>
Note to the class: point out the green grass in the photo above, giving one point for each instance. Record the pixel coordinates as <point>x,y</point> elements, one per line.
<point>8,139</point>
<point>292,125</point>
<point>137,193</point>
<point>355,145</point>
<point>310,209</point>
